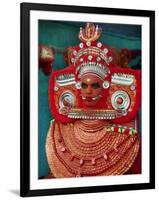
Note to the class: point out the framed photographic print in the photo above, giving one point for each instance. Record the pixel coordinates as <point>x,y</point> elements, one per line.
<point>87,99</point>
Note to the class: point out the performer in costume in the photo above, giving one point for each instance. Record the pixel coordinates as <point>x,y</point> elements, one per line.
<point>95,103</point>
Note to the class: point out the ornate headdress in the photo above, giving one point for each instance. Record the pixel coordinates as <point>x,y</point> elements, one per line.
<point>91,56</point>
<point>121,97</point>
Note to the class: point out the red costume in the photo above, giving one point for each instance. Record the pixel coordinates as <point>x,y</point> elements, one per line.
<point>95,103</point>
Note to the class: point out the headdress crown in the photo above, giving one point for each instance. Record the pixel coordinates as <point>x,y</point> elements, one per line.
<point>91,56</point>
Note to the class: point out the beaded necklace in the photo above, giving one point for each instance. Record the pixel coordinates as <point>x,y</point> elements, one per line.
<point>111,151</point>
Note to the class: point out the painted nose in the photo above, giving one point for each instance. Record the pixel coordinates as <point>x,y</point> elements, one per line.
<point>89,90</point>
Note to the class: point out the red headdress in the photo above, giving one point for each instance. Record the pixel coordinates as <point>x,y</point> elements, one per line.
<point>121,95</point>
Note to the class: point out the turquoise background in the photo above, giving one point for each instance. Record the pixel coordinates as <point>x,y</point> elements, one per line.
<point>61,34</point>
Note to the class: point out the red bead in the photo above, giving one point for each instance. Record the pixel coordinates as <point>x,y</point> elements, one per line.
<point>60,140</point>
<point>119,100</point>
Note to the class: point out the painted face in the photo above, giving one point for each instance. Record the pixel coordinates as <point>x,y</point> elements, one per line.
<point>91,89</point>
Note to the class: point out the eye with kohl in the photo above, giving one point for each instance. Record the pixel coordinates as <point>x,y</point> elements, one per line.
<point>95,85</point>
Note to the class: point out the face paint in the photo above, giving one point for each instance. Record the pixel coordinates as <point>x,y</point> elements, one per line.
<point>91,89</point>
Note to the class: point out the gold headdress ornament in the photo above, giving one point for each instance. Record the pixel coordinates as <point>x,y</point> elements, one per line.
<point>90,33</point>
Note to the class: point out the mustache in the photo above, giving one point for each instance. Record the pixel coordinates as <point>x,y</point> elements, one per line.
<point>91,98</point>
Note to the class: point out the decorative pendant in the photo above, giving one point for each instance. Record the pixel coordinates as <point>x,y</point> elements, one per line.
<point>105,84</point>
<point>81,162</point>
<point>63,149</point>
<point>105,156</point>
